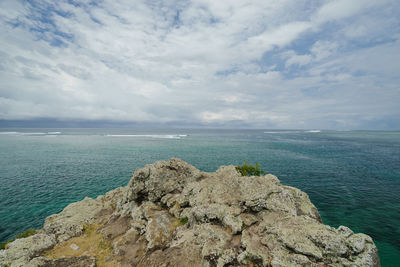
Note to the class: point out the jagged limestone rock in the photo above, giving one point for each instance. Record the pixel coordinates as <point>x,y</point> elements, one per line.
<point>171,214</point>
<point>70,222</point>
<point>21,251</point>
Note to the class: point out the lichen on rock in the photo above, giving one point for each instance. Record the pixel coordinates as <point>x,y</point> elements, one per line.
<point>172,214</point>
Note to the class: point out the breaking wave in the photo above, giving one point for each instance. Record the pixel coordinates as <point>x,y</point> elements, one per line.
<point>289,132</point>
<point>30,133</point>
<point>162,136</point>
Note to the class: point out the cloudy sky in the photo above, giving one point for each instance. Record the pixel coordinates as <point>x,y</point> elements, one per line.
<point>262,64</point>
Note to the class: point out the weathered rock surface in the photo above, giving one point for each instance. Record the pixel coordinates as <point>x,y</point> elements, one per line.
<point>171,214</point>
<point>70,221</point>
<point>22,250</point>
<point>83,261</point>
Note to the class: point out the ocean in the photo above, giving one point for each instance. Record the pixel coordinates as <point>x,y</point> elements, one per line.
<point>353,177</point>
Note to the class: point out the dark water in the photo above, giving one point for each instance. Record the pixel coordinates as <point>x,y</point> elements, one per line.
<point>352,177</point>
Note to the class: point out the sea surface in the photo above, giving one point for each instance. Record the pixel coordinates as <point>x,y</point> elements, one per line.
<point>353,177</point>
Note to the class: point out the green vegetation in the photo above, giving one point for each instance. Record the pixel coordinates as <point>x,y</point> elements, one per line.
<point>26,233</point>
<point>29,232</point>
<point>184,220</point>
<point>163,205</point>
<point>250,170</point>
<point>243,226</point>
<point>4,244</point>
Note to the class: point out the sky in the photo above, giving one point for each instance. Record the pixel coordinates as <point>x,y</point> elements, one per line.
<point>288,64</point>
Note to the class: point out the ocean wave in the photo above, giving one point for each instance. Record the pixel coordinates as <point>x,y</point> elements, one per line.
<point>289,132</point>
<point>281,132</point>
<point>22,133</point>
<point>163,136</point>
<point>53,133</point>
<point>9,133</point>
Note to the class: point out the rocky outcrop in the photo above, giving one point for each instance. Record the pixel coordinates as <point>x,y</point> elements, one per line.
<point>70,221</point>
<point>171,214</point>
<point>22,250</point>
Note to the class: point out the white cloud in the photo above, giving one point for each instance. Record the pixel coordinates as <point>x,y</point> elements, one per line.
<point>294,59</point>
<point>340,9</point>
<point>319,51</point>
<point>198,61</point>
<point>323,49</point>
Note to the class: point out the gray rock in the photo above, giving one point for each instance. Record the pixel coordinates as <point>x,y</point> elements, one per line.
<point>277,225</point>
<point>171,214</point>
<point>345,231</point>
<point>19,252</point>
<point>70,222</point>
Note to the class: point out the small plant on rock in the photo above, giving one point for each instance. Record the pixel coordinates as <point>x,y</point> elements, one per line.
<point>26,233</point>
<point>250,170</point>
<point>29,232</point>
<point>184,220</point>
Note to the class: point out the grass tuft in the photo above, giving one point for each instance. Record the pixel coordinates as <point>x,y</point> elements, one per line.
<point>249,170</point>
<point>26,233</point>
<point>243,226</point>
<point>184,220</point>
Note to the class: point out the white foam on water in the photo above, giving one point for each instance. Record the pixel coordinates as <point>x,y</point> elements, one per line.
<point>313,131</point>
<point>32,133</point>
<point>163,136</point>
<point>9,133</point>
<point>22,133</point>
<point>53,133</point>
<point>280,132</point>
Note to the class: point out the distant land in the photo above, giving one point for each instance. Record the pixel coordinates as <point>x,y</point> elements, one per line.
<point>74,123</point>
<point>234,124</point>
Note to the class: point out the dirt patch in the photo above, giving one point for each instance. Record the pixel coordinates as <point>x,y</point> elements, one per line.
<point>90,243</point>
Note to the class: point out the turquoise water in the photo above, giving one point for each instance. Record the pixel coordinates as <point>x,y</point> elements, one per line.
<point>352,177</point>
